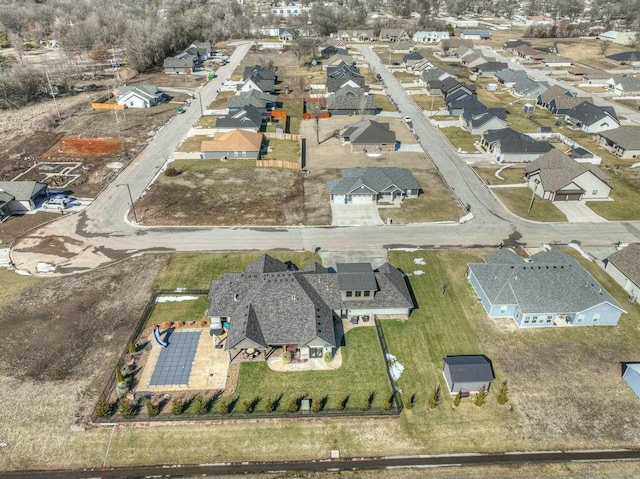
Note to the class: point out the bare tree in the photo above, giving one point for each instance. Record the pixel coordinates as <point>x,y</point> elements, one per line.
<point>604,46</point>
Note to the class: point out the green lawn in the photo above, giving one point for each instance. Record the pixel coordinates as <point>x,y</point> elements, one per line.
<point>284,150</point>
<point>362,372</point>
<point>517,200</point>
<point>626,193</point>
<point>13,284</point>
<point>196,270</point>
<point>221,100</point>
<point>405,77</point>
<point>429,103</point>
<point>511,175</point>
<point>461,139</point>
<point>292,104</point>
<point>193,143</point>
<point>208,121</point>
<point>383,103</point>
<point>191,310</point>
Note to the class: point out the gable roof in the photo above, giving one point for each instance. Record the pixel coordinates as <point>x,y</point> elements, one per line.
<point>588,113</point>
<point>551,282</point>
<point>337,59</point>
<point>341,74</point>
<point>264,73</point>
<point>412,56</point>
<point>514,43</point>
<point>246,117</point>
<point>509,75</point>
<point>632,56</point>
<point>255,98</point>
<point>626,137</point>
<point>627,84</point>
<point>401,45</point>
<point>368,132</point>
<point>469,369</point>
<point>527,86</point>
<point>627,260</point>
<point>264,84</point>
<point>434,73</point>
<point>183,60</point>
<point>235,140</point>
<point>554,92</point>
<point>527,51</point>
<point>491,66</point>
<point>22,190</point>
<point>515,142</point>
<point>373,178</point>
<point>356,276</point>
<point>450,43</point>
<point>351,98</point>
<point>392,32</point>
<point>557,170</point>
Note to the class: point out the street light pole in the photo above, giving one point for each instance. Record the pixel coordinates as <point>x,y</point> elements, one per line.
<point>133,208</point>
<point>201,109</point>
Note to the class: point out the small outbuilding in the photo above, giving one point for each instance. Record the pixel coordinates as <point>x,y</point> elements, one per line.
<point>631,376</point>
<point>529,108</point>
<point>467,374</point>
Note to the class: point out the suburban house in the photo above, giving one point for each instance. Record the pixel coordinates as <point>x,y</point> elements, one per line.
<point>338,49</point>
<point>452,89</point>
<point>625,58</point>
<point>18,197</point>
<point>621,38</point>
<point>430,37</point>
<point>350,100</point>
<point>393,35</point>
<point>591,118</point>
<point>368,135</point>
<point>623,141</point>
<point>271,306</point>
<point>434,74</point>
<point>471,58</point>
<point>356,35</point>
<point>475,35</point>
<point>556,177</point>
<point>511,146</point>
<point>235,144</point>
<point>479,121</point>
<point>624,86</point>
<point>200,50</point>
<point>258,81</point>
<point>555,61</point>
<point>631,376</point>
<point>509,77</point>
<point>558,100</point>
<point>411,59</point>
<point>548,289</point>
<point>596,77</point>
<point>182,63</point>
<point>263,72</point>
<point>488,69</point>
<point>343,75</point>
<point>286,34</point>
<point>247,118</point>
<point>529,89</point>
<point>373,184</point>
<point>337,60</point>
<point>511,45</point>
<point>447,45</point>
<point>401,46</point>
<point>528,53</point>
<point>143,95</point>
<point>456,105</point>
<point>255,98</point>
<point>467,374</point>
<point>624,267</point>
<point>421,66</point>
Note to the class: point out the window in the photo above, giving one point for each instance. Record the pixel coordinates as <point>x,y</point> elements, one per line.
<point>349,294</point>
<point>596,318</point>
<point>526,320</point>
<point>549,319</point>
<point>594,192</point>
<point>235,153</point>
<point>534,320</point>
<point>503,310</point>
<point>358,294</point>
<point>244,153</point>
<point>580,318</point>
<point>367,294</point>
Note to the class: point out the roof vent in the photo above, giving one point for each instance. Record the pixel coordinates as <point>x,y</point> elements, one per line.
<point>235,297</point>
<point>294,297</point>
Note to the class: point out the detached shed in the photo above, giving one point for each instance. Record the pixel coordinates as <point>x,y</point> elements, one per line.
<point>631,375</point>
<point>529,108</point>
<point>467,374</point>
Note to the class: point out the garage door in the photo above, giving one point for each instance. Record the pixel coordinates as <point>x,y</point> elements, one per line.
<point>568,196</point>
<point>338,199</point>
<point>361,199</point>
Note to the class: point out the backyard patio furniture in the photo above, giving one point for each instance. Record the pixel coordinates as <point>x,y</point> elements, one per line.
<point>354,320</point>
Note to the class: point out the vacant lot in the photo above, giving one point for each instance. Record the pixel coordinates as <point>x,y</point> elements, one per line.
<point>517,200</point>
<point>213,192</point>
<point>168,80</point>
<point>428,102</point>
<point>16,226</point>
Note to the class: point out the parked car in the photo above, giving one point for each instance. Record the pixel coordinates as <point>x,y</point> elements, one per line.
<point>181,110</point>
<point>59,202</point>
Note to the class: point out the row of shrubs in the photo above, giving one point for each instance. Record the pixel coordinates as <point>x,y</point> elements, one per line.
<point>479,399</point>
<point>201,405</point>
<point>181,324</point>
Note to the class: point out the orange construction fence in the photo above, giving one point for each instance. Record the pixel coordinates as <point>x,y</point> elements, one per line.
<point>279,114</point>
<point>107,106</point>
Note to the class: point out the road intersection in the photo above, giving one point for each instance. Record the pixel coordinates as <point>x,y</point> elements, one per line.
<point>101,234</point>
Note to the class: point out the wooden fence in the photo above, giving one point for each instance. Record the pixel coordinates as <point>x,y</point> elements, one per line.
<point>107,106</point>
<point>291,165</point>
<point>282,136</point>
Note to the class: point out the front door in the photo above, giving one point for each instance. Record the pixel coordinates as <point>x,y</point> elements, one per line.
<point>315,352</point>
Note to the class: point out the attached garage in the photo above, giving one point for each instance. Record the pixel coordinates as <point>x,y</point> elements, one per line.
<point>362,199</point>
<point>568,196</point>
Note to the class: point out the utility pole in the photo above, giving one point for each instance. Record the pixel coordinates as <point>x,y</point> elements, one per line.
<point>133,208</point>
<point>53,94</point>
<point>201,108</point>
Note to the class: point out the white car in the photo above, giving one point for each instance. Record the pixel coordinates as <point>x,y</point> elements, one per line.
<point>57,203</point>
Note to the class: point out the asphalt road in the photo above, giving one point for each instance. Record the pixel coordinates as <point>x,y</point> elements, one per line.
<point>334,465</point>
<point>100,234</point>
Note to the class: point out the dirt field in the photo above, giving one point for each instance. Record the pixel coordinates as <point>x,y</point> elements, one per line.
<point>161,79</point>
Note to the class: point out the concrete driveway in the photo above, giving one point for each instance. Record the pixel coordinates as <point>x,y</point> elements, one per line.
<point>578,212</point>
<point>377,257</point>
<point>355,215</point>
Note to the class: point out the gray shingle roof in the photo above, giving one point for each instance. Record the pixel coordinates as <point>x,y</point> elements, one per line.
<point>527,86</point>
<point>515,142</point>
<point>22,190</point>
<point>491,66</point>
<point>180,61</point>
<point>552,282</point>
<point>628,84</point>
<point>254,98</point>
<point>5,198</point>
<point>356,277</point>
<point>509,75</point>
<point>627,260</point>
<point>435,73</point>
<point>264,73</point>
<point>627,137</point>
<point>412,56</point>
<point>368,132</point>
<point>265,84</point>
<point>373,178</point>
<point>625,57</point>
<point>341,74</point>
<point>557,170</point>
<point>246,117</point>
<point>588,113</point>
<point>466,369</point>
<point>554,92</point>
<point>351,98</point>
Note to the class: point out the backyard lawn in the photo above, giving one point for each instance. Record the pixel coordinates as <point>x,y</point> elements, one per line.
<point>406,77</point>
<point>284,150</point>
<point>517,201</point>
<point>207,121</point>
<point>189,310</point>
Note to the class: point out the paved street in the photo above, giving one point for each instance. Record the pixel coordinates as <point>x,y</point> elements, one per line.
<point>100,234</point>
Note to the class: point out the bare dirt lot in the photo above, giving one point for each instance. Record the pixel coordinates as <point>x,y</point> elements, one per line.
<point>161,79</point>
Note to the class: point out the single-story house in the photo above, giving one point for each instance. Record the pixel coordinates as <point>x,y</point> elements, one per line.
<point>623,141</point>
<point>255,98</point>
<point>286,34</point>
<point>411,59</point>
<point>548,289</point>
<point>18,197</point>
<point>368,135</point>
<point>528,53</point>
<point>356,35</point>
<point>421,66</point>
<point>434,73</point>
<point>343,75</point>
<point>529,89</point>
<point>591,118</point>
<point>624,267</point>
<point>373,184</point>
<point>264,73</point>
<point>631,376</point>
<point>401,46</point>
<point>475,35</point>
<point>447,45</point>
<point>488,69</point>
<point>558,99</point>
<point>621,38</point>
<point>478,122</point>
<point>393,35</point>
<point>143,95</point>
<point>625,58</point>
<point>509,77</point>
<point>467,374</point>
<point>456,104</point>
<point>624,86</point>
<point>257,82</point>
<point>511,45</point>
<point>337,60</point>
<point>430,37</point>
<point>270,306</point>
<point>511,146</point>
<point>330,50</point>
<point>596,77</point>
<point>351,100</point>
<point>473,58</point>
<point>182,63</point>
<point>235,144</point>
<point>247,118</point>
<point>556,177</point>
<point>201,50</point>
<point>556,61</point>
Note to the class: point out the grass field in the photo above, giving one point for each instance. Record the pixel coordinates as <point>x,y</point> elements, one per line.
<point>383,103</point>
<point>427,102</point>
<point>511,175</point>
<point>406,77</point>
<point>208,121</point>
<point>221,100</point>
<point>517,201</point>
<point>193,143</point>
<point>461,139</point>
<point>13,284</point>
<point>625,207</point>
<point>284,150</point>
<point>192,310</point>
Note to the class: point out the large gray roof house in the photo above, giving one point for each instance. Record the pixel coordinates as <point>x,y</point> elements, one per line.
<point>373,184</point>
<point>271,305</point>
<point>368,135</point>
<point>548,289</point>
<point>624,267</point>
<point>350,100</point>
